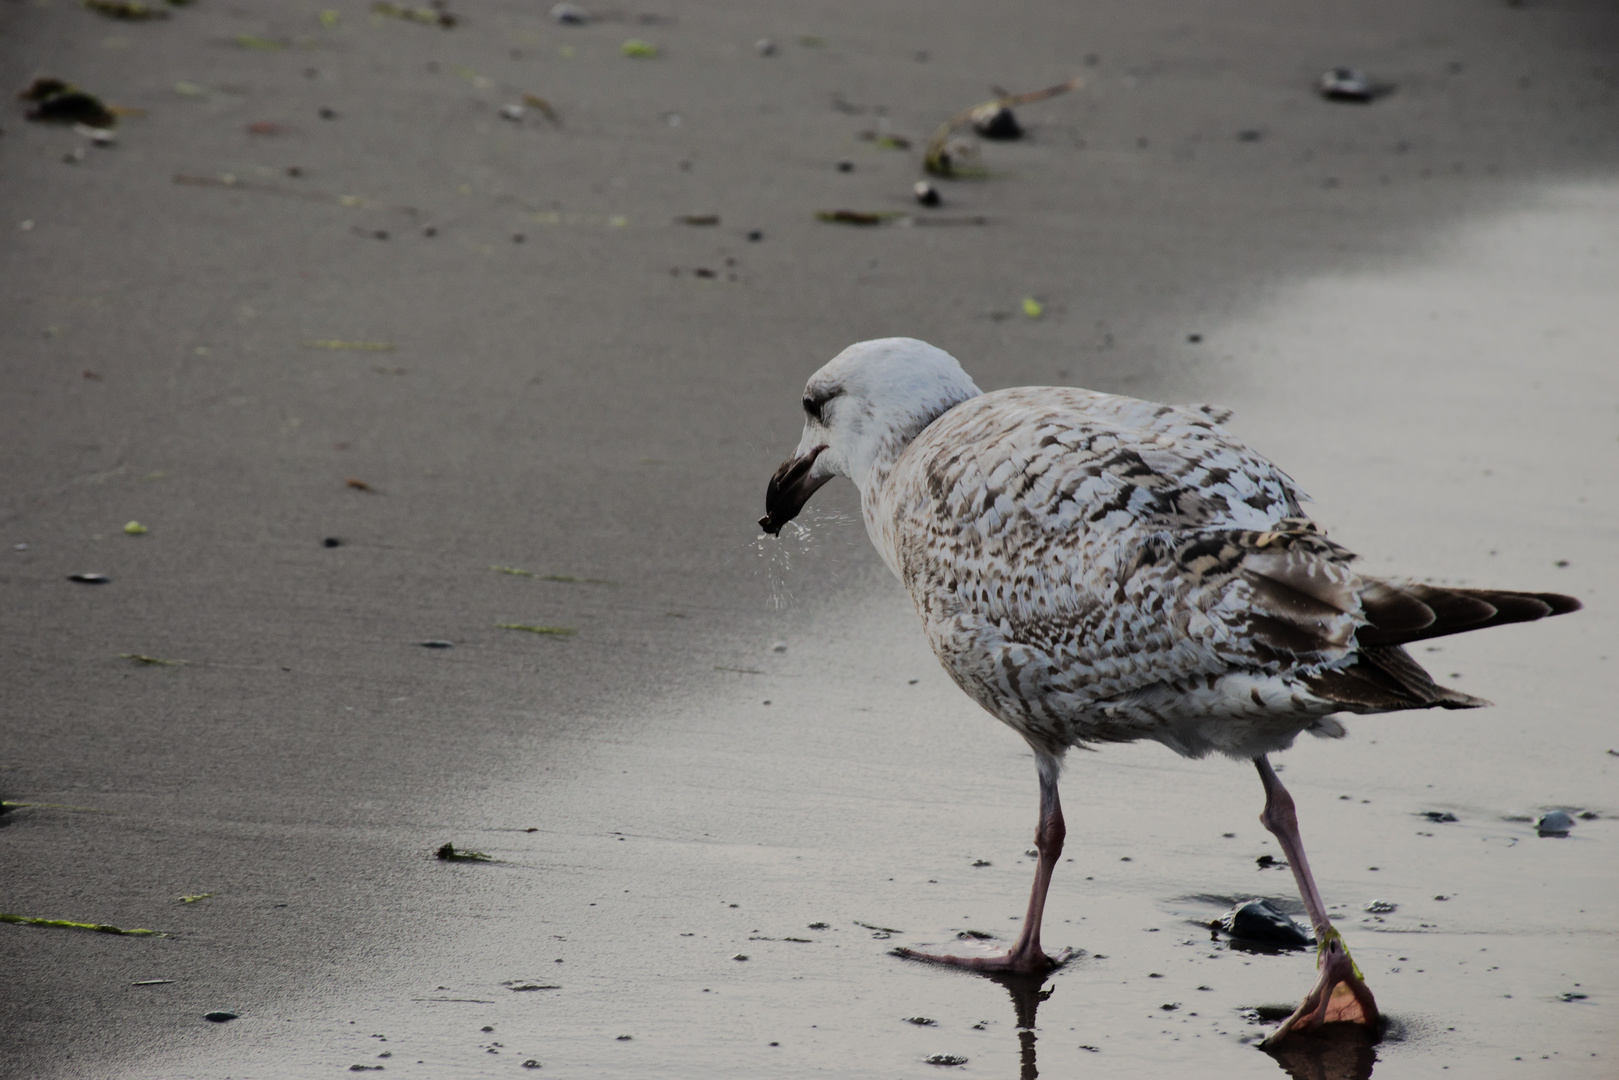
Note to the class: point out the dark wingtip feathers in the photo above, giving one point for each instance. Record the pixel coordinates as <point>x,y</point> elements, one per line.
<point>1393,612</point>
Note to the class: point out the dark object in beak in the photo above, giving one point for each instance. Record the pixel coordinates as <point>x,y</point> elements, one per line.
<point>789,490</point>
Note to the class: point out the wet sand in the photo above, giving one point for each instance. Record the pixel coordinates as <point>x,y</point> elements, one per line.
<point>1430,356</point>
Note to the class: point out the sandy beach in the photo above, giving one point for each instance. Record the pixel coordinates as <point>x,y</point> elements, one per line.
<point>488,335</point>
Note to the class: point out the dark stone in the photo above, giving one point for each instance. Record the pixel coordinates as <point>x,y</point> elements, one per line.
<point>1261,921</point>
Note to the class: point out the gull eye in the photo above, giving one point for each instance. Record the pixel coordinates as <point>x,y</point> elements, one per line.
<point>812,407</point>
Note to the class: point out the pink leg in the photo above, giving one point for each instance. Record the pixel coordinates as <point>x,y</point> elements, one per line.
<point>1339,995</point>
<point>1026,956</point>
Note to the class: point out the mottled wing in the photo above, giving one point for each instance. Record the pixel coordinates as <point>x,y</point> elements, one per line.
<point>1065,548</point>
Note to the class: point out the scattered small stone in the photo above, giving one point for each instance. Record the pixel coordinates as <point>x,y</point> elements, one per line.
<point>740,956</point>
<point>514,113</point>
<point>845,166</point>
<point>995,121</point>
<point>926,193</point>
<point>100,136</point>
<point>58,102</point>
<point>1250,135</point>
<point>1438,816</point>
<point>778,647</point>
<point>765,47</point>
<point>1170,1006</point>
<point>1571,995</point>
<point>90,579</point>
<point>625,1038</point>
<point>436,643</point>
<point>1262,921</point>
<point>1381,907</point>
<point>327,113</point>
<point>755,235</point>
<point>1554,823</point>
<point>219,1016</point>
<point>569,15</point>
<point>531,1063</point>
<point>1441,896</point>
<point>365,1068</point>
<point>920,1021</point>
<point>331,541</point>
<point>944,1059</point>
<point>1269,862</point>
<point>1347,84</point>
<point>981,862</point>
<point>449,853</point>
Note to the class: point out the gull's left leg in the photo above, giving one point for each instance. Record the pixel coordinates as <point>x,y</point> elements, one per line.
<point>1339,994</point>
<point>1026,955</point>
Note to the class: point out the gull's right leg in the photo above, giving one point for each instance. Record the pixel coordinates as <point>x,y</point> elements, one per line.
<point>1339,994</point>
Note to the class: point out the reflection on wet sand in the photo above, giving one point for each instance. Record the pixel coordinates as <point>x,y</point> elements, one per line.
<point>1027,991</point>
<point>1333,1052</point>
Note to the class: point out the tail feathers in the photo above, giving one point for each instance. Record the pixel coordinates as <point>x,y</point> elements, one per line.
<point>1401,612</point>
<point>1383,677</point>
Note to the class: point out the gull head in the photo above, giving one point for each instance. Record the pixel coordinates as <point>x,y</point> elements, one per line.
<point>860,412</point>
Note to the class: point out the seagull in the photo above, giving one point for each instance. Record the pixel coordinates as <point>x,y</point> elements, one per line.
<point>1098,569</point>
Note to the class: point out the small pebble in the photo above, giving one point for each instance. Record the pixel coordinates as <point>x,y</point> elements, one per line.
<point>436,643</point>
<point>765,47</point>
<point>1381,907</point>
<point>994,121</point>
<point>1554,823</point>
<point>1346,84</point>
<point>331,541</point>
<point>512,112</point>
<point>531,1064</point>
<point>328,113</point>
<point>219,1016</point>
<point>944,1059</point>
<point>920,1021</point>
<point>755,235</point>
<point>780,646</point>
<point>926,193</point>
<point>845,166</point>
<point>90,579</point>
<point>569,15</point>
<point>740,956</point>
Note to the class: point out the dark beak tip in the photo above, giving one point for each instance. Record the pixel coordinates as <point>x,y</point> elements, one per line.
<point>769,526</point>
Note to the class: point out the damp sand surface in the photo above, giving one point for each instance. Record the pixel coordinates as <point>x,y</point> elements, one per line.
<point>1427,349</point>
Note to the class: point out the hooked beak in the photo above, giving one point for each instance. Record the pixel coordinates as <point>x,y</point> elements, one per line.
<point>790,489</point>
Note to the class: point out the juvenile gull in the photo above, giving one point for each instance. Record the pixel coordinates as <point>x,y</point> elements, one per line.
<point>1093,569</point>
